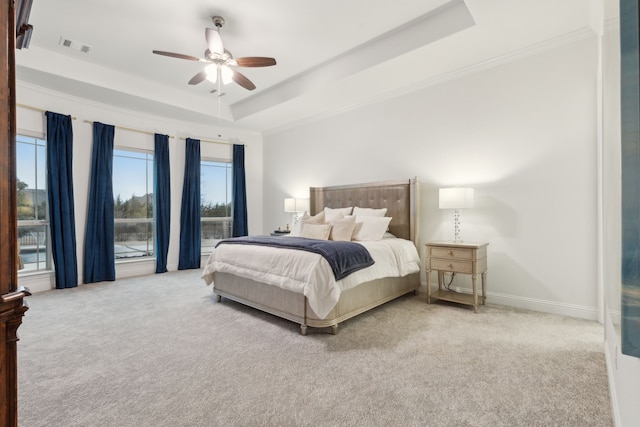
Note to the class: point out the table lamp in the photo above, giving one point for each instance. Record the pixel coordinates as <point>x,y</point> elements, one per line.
<point>456,198</point>
<point>296,206</point>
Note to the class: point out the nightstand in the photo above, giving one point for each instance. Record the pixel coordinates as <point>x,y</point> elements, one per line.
<point>280,233</point>
<point>457,257</point>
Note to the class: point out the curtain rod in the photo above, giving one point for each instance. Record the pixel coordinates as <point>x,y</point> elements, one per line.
<point>213,141</point>
<point>131,129</point>
<point>36,109</point>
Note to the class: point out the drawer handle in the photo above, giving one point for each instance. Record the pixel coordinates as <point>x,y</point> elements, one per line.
<point>450,253</point>
<point>450,266</point>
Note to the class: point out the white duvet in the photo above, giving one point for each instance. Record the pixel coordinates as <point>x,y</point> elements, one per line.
<point>309,273</point>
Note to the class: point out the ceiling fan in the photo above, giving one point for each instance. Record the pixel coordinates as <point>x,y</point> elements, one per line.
<point>220,60</point>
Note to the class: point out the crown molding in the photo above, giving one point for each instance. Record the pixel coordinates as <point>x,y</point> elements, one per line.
<point>562,40</point>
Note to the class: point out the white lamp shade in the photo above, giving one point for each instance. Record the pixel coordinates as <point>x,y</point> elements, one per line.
<point>456,198</point>
<point>212,72</point>
<point>292,204</point>
<point>226,74</point>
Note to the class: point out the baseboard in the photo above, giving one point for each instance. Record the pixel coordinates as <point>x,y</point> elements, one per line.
<point>135,268</point>
<point>543,306</point>
<point>610,362</point>
<point>38,282</point>
<point>45,281</point>
<point>616,316</point>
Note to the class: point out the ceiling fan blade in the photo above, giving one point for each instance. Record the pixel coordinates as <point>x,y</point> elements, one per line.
<point>243,81</point>
<point>214,41</point>
<point>198,78</point>
<point>255,61</point>
<point>177,55</point>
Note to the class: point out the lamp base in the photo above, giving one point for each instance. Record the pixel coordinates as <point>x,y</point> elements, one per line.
<point>456,226</point>
<point>295,218</point>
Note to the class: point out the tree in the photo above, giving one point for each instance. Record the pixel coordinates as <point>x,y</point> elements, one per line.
<point>25,207</point>
<point>135,207</point>
<point>119,207</point>
<point>217,210</point>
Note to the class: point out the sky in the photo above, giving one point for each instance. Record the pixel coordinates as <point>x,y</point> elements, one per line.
<point>212,178</point>
<point>132,171</point>
<point>27,152</point>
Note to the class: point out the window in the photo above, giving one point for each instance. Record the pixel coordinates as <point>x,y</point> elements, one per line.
<point>215,202</point>
<point>133,204</point>
<point>32,209</point>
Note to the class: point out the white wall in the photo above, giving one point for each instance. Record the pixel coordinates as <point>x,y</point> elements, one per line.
<point>522,133</point>
<point>33,122</point>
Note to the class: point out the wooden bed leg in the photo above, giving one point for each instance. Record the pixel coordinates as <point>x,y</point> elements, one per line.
<point>303,326</point>
<point>218,298</point>
<point>334,329</point>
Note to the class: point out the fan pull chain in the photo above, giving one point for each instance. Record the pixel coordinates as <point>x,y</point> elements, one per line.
<point>219,101</point>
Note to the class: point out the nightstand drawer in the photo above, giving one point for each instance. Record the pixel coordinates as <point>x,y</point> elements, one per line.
<point>458,253</point>
<point>451,265</point>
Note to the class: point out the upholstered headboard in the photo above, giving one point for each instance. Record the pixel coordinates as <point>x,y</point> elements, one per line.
<point>399,197</point>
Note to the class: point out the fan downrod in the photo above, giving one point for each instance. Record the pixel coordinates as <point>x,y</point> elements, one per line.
<point>218,21</point>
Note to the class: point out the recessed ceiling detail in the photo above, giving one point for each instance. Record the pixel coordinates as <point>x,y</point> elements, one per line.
<point>328,62</point>
<point>444,21</point>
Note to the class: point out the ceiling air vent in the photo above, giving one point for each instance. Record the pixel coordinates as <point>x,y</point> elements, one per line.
<point>75,45</point>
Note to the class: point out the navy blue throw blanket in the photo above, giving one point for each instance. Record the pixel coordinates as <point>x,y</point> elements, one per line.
<point>343,257</point>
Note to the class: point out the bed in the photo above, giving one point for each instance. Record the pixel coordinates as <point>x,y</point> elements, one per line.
<point>353,296</point>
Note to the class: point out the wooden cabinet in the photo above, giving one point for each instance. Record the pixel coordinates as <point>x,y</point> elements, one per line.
<point>12,304</point>
<point>457,257</point>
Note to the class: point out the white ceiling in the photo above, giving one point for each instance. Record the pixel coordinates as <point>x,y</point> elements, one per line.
<point>331,55</point>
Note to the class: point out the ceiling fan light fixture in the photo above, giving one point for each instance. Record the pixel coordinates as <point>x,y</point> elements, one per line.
<point>227,74</point>
<point>212,72</point>
<point>220,60</point>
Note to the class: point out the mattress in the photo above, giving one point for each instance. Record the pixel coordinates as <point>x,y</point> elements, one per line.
<point>309,273</point>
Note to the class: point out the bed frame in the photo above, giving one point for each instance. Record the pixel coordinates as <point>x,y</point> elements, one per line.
<point>401,200</point>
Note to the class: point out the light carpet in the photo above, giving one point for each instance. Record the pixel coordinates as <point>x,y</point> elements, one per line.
<point>160,351</point>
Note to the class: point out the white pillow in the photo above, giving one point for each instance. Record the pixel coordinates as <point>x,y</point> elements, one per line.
<point>335,213</point>
<point>306,219</point>
<point>370,227</point>
<point>369,212</point>
<point>316,219</point>
<point>342,229</point>
<point>316,231</point>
